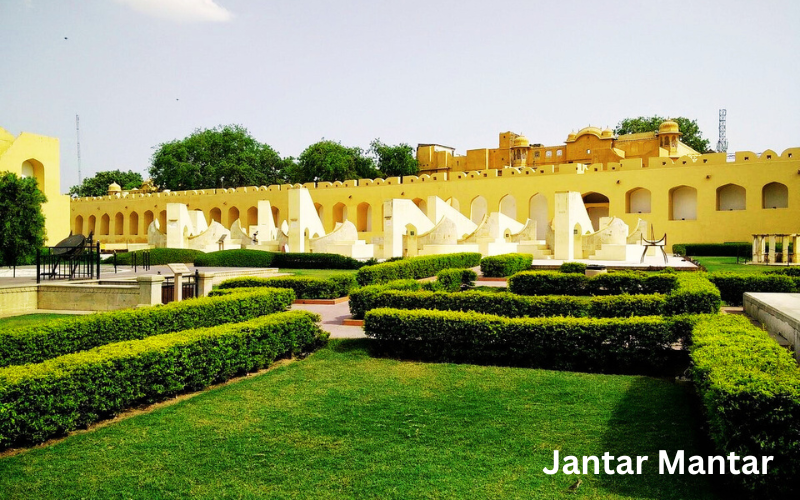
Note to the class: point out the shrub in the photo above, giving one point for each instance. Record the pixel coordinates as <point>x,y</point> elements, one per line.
<point>547,283</point>
<point>37,343</point>
<point>305,287</point>
<point>415,268</point>
<point>733,286</point>
<point>630,282</point>
<point>788,271</point>
<point>621,306</point>
<point>44,400</point>
<point>500,266</point>
<point>256,258</point>
<point>159,256</point>
<point>573,268</point>
<point>694,294</point>
<point>630,345</point>
<point>750,389</point>
<point>453,280</point>
<point>362,299</point>
<point>731,249</point>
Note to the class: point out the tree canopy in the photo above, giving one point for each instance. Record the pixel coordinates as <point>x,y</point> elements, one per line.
<point>691,134</point>
<point>21,220</point>
<point>98,184</point>
<point>330,161</point>
<point>394,161</point>
<point>225,156</point>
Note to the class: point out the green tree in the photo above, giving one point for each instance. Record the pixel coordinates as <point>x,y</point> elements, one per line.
<point>21,219</point>
<point>691,134</point>
<point>98,184</point>
<point>330,161</point>
<point>225,156</point>
<point>394,161</point>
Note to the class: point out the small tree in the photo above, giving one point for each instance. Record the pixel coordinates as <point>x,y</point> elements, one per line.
<point>21,220</point>
<point>690,131</point>
<point>330,161</point>
<point>98,184</point>
<point>394,161</point>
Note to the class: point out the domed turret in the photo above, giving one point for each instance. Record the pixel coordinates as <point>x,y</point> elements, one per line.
<point>521,142</point>
<point>669,127</point>
<point>571,137</point>
<point>606,133</point>
<point>114,188</point>
<point>519,151</point>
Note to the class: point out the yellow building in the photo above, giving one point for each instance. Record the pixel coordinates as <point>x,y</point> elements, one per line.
<point>30,155</point>
<point>693,198</point>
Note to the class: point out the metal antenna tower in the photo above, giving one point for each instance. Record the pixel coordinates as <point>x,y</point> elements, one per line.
<point>78,134</point>
<point>722,143</point>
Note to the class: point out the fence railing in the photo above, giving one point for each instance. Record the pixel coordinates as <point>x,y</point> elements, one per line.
<point>68,263</point>
<point>190,284</point>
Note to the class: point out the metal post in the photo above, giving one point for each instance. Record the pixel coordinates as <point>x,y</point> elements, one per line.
<point>115,262</point>
<point>38,266</point>
<point>98,260</point>
<point>196,283</point>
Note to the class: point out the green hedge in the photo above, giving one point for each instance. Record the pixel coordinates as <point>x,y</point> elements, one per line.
<point>37,343</point>
<point>415,268</point>
<point>256,258</point>
<point>614,283</point>
<point>362,299</point>
<point>750,388</point>
<point>453,280</point>
<point>732,286</point>
<point>500,266</point>
<point>159,256</point>
<point>305,287</point>
<point>572,267</point>
<point>45,400</point>
<point>631,345</point>
<point>732,249</point>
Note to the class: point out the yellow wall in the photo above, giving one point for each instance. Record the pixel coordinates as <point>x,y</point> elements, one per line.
<point>661,176</point>
<point>37,154</point>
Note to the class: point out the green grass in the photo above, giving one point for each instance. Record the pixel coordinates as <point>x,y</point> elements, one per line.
<point>342,424</point>
<point>319,273</point>
<point>718,264</point>
<point>28,320</point>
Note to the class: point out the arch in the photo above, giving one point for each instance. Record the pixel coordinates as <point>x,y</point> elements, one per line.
<point>731,197</point>
<point>596,207</point>
<point>339,213</point>
<point>133,224</point>
<point>34,168</point>
<point>215,214</point>
<point>320,210</point>
<point>91,225</point>
<point>252,216</point>
<point>364,217</point>
<point>637,201</point>
<point>453,202</point>
<point>537,210</point>
<point>775,195</point>
<point>421,204</point>
<point>162,221</point>
<point>78,227</point>
<point>233,214</point>
<point>119,224</point>
<point>104,220</point>
<point>508,206</point>
<point>683,203</point>
<point>577,241</point>
<point>148,219</point>
<point>478,209</point>
<point>276,215</point>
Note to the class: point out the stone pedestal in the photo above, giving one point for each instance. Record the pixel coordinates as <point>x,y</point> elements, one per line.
<point>150,289</point>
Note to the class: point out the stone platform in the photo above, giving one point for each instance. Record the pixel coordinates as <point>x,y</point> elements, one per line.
<point>779,313</point>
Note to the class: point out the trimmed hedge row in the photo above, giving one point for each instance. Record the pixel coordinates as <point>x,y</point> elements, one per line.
<point>732,249</point>
<point>732,286</point>
<point>558,283</point>
<point>44,400</point>
<point>256,258</point>
<point>159,256</point>
<point>361,299</point>
<point>694,295</point>
<point>500,266</point>
<point>453,280</point>
<point>305,287</point>
<point>750,388</point>
<point>415,268</point>
<point>573,267</point>
<point>37,343</point>
<point>631,345</point>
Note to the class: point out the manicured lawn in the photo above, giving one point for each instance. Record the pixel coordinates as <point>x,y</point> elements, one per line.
<point>717,264</point>
<point>342,424</point>
<point>320,273</point>
<point>27,320</point>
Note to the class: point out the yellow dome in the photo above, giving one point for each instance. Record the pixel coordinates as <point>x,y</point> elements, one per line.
<point>571,137</point>
<point>114,188</point>
<point>521,142</point>
<point>669,127</point>
<point>607,133</point>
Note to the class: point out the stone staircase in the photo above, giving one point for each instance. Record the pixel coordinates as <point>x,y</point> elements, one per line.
<point>538,248</point>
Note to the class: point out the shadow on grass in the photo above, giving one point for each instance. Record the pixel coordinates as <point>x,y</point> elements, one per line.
<point>653,415</point>
<point>352,346</point>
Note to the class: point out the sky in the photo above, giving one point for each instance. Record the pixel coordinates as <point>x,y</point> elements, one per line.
<point>140,73</point>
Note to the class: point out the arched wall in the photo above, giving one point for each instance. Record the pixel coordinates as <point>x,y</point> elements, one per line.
<point>233,214</point>
<point>538,211</point>
<point>215,214</point>
<point>731,197</point>
<point>78,227</point>
<point>34,168</point>
<point>104,223</point>
<point>162,221</point>
<point>638,201</point>
<point>478,209</point>
<point>92,226</point>
<point>364,217</point>
<point>683,203</point>
<point>148,219</point>
<point>339,213</point>
<point>596,207</point>
<point>775,195</point>
<point>508,206</point>
<point>133,224</point>
<point>252,216</point>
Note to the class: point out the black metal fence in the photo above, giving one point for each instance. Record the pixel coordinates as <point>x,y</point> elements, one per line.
<point>189,285</point>
<point>73,263</point>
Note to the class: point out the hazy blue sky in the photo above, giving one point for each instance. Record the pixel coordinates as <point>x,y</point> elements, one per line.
<point>143,72</point>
